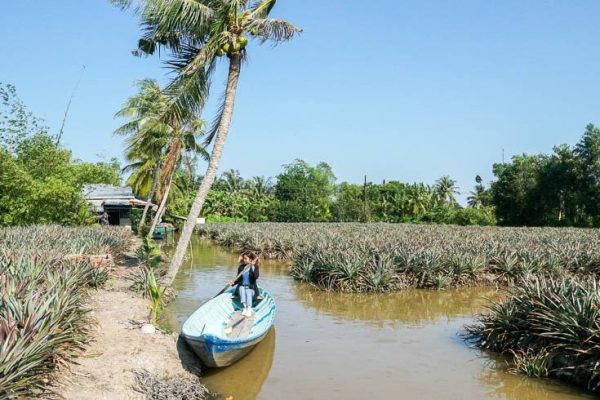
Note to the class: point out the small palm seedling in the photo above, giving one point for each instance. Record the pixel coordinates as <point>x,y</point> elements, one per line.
<point>149,254</point>
<point>156,296</point>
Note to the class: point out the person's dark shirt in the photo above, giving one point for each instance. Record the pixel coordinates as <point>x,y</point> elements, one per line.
<point>253,273</point>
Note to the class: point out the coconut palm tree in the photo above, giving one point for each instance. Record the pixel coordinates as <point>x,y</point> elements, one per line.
<point>446,190</point>
<point>181,138</point>
<point>478,197</point>
<point>156,141</point>
<point>199,33</point>
<point>232,181</point>
<point>260,186</point>
<point>147,136</point>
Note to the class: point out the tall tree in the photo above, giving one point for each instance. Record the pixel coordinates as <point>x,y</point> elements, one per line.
<point>515,191</point>
<point>182,138</point>
<point>479,196</point>
<point>198,32</point>
<point>304,192</point>
<point>446,190</point>
<point>147,138</point>
<point>156,140</point>
<point>16,123</point>
<point>588,152</point>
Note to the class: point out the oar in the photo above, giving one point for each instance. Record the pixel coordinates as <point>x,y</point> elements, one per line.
<point>236,278</point>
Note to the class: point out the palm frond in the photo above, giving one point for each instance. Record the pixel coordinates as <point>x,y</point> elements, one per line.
<point>132,167</point>
<point>276,30</point>
<point>169,16</point>
<point>261,9</point>
<point>191,59</point>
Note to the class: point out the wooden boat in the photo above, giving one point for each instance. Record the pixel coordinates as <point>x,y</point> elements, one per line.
<point>220,335</point>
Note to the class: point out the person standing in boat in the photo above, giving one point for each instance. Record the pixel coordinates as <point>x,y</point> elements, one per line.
<point>246,282</point>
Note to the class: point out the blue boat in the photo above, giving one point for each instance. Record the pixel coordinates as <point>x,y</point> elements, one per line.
<point>220,335</point>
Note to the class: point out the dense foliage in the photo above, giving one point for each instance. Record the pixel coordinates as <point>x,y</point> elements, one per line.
<point>306,193</point>
<point>41,182</point>
<point>382,257</point>
<point>550,327</point>
<point>43,319</point>
<point>561,189</point>
<point>400,202</point>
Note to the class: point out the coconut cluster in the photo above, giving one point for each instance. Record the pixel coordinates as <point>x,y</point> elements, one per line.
<point>230,48</point>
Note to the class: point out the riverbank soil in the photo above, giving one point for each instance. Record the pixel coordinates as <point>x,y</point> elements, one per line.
<point>118,347</point>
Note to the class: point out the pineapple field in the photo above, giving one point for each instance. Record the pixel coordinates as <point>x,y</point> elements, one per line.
<point>45,274</point>
<point>354,257</point>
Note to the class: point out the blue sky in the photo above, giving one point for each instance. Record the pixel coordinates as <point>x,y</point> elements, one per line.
<point>406,90</point>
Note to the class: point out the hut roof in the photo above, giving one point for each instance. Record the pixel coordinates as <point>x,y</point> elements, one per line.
<point>105,192</point>
<point>99,195</point>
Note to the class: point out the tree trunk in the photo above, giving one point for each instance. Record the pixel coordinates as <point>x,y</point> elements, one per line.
<point>168,172</point>
<point>169,165</point>
<point>211,170</point>
<point>151,194</point>
<point>162,207</point>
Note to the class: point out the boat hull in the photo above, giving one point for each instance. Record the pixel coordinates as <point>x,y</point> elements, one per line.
<point>215,354</point>
<point>219,334</point>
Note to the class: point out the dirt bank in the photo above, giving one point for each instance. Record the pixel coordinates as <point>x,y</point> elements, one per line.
<point>105,370</point>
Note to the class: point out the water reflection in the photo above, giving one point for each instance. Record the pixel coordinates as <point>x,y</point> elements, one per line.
<point>244,379</point>
<point>505,385</point>
<point>411,306</point>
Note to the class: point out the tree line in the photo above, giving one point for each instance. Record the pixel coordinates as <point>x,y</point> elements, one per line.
<point>41,182</point>
<point>307,193</point>
<point>558,189</point>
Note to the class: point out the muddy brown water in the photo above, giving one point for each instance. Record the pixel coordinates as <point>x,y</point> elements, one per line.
<point>403,345</point>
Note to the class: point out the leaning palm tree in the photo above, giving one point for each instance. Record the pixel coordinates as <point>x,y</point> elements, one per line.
<point>198,33</point>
